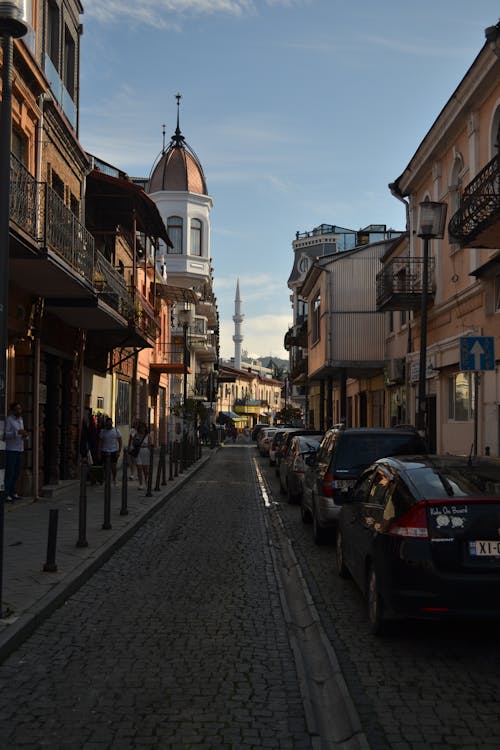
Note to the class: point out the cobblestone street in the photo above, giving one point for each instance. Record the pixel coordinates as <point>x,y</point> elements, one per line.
<point>178,641</point>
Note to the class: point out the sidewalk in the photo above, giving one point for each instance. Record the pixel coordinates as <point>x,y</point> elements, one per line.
<point>31,594</point>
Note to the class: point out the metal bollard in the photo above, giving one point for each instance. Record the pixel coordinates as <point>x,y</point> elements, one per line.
<point>176,461</point>
<point>164,465</point>
<point>161,460</point>
<point>107,493</point>
<point>50,564</point>
<point>171,461</point>
<point>82,507</point>
<point>124,508</point>
<point>149,492</point>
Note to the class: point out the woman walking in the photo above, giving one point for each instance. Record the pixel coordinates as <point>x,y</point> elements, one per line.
<point>143,440</point>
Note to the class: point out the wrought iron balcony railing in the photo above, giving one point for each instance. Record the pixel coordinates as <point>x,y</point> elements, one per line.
<point>144,315</point>
<point>168,353</point>
<point>112,287</point>
<point>39,212</point>
<point>479,204</point>
<point>400,284</point>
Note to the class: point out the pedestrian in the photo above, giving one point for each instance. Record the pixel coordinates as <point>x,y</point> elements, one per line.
<point>131,449</point>
<point>15,435</point>
<point>110,444</point>
<point>143,442</point>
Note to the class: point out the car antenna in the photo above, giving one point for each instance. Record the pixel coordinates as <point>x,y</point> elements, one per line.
<point>470,454</point>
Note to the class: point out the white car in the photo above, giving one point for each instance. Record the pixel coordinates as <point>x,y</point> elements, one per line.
<point>264,441</point>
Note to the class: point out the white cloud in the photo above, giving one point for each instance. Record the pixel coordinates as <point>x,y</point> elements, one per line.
<point>162,13</point>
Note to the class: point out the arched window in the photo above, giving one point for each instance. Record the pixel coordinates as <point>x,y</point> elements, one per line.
<point>196,237</point>
<point>495,134</point>
<point>174,230</point>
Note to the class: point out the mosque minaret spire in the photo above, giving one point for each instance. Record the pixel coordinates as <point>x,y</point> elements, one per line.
<point>238,320</point>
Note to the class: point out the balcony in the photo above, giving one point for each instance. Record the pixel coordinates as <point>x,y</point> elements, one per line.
<point>144,318</point>
<point>296,336</point>
<point>477,221</point>
<point>399,284</point>
<point>169,358</point>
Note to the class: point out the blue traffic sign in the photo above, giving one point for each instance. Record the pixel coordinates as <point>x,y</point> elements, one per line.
<point>477,353</point>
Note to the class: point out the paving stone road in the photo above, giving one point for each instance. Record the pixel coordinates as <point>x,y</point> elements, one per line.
<point>428,686</point>
<point>178,641</point>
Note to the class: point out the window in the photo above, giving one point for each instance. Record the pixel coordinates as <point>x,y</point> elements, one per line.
<point>174,230</point>
<point>123,402</point>
<point>497,293</point>
<point>69,63</point>
<point>461,397</point>
<point>20,147</point>
<point>315,318</point>
<point>196,248</point>
<point>53,33</point>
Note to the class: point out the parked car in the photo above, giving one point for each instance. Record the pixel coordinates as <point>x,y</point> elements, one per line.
<point>421,537</point>
<point>256,429</point>
<point>343,454</point>
<point>285,442</point>
<point>293,464</point>
<point>264,440</point>
<point>275,444</point>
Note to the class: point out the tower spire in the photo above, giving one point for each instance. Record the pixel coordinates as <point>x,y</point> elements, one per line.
<point>238,320</point>
<point>178,138</point>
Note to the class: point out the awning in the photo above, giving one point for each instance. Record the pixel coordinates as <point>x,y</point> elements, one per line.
<point>176,293</point>
<point>230,415</point>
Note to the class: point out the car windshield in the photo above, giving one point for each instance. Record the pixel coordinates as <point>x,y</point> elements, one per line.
<point>360,450</point>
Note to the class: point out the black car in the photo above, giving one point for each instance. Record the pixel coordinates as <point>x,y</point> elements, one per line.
<point>420,535</point>
<point>343,454</point>
<point>292,466</point>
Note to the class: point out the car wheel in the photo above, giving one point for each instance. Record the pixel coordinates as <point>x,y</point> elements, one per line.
<point>304,513</point>
<point>342,569</point>
<point>319,533</point>
<point>292,499</point>
<point>376,617</point>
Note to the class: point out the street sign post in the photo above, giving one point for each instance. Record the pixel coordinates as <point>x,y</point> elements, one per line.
<point>477,353</point>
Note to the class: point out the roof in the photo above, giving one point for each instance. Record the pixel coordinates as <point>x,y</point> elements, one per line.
<point>114,201</point>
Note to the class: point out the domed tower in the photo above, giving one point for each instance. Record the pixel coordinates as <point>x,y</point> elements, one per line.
<point>178,187</point>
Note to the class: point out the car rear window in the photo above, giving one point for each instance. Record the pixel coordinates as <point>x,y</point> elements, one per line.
<point>355,452</point>
<point>442,482</point>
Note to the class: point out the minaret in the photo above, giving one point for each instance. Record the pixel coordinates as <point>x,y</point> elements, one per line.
<point>238,320</point>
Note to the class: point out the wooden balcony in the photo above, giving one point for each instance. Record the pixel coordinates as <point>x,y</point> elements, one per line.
<point>400,284</point>
<point>477,221</point>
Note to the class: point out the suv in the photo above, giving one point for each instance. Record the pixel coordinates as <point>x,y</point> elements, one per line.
<point>342,456</point>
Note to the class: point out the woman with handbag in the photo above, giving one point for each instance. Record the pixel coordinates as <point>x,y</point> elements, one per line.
<point>142,443</point>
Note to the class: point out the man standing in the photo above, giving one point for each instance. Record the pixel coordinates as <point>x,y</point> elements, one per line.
<point>110,444</point>
<point>15,435</point>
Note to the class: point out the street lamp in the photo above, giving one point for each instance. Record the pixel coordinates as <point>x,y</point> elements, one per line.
<point>11,26</point>
<point>431,225</point>
<point>185,316</point>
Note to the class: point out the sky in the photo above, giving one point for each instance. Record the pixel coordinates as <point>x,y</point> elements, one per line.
<point>300,111</point>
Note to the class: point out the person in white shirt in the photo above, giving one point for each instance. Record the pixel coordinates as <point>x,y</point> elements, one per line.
<point>110,444</point>
<point>15,435</point>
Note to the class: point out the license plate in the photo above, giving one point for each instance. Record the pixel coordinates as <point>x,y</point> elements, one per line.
<point>484,549</point>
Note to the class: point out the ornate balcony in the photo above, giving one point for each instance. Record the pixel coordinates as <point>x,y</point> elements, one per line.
<point>477,221</point>
<point>170,358</point>
<point>399,284</point>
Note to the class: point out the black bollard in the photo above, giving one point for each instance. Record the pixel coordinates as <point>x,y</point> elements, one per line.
<point>158,468</point>
<point>82,507</point>
<point>171,461</point>
<point>149,492</point>
<point>176,460</point>
<point>50,565</point>
<point>164,465</point>
<point>107,492</point>
<point>124,508</point>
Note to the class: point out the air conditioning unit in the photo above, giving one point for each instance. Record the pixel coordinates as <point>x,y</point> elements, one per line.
<point>396,370</point>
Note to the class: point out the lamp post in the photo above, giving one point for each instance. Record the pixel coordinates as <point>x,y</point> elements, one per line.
<point>431,225</point>
<point>185,317</point>
<point>11,26</point>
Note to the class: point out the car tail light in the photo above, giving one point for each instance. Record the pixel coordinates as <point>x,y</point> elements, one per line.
<point>412,524</point>
<point>327,489</point>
